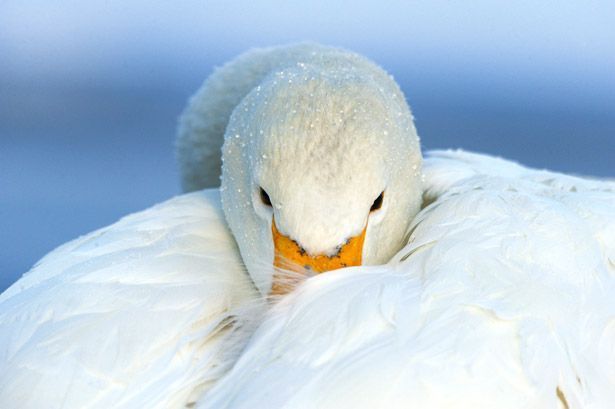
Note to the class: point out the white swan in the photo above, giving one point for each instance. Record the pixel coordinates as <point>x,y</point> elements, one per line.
<point>478,309</point>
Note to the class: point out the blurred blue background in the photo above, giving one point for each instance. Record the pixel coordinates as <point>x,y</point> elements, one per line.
<point>90,91</point>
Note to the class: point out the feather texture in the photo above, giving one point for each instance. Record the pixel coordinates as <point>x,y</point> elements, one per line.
<point>502,298</point>
<point>137,314</point>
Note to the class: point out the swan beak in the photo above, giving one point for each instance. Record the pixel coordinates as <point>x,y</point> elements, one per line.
<point>288,255</point>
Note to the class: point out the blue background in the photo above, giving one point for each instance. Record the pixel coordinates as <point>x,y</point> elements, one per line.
<point>90,91</point>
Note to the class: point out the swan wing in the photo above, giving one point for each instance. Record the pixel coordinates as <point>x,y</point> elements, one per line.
<point>132,315</point>
<point>502,298</point>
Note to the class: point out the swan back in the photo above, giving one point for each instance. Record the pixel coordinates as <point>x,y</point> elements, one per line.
<point>501,298</point>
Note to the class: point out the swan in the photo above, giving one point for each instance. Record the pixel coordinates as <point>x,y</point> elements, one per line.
<point>470,304</point>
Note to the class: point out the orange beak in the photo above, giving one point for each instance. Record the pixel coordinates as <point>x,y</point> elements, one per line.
<point>288,255</point>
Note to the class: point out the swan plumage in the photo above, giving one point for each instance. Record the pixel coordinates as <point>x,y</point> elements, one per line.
<point>502,298</point>
<point>136,314</point>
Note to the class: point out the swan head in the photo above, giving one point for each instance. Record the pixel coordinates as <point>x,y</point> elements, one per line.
<point>321,170</point>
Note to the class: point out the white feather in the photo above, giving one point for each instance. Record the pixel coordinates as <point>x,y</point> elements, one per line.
<point>137,314</point>
<point>502,298</point>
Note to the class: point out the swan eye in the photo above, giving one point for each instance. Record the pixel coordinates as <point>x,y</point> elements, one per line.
<point>265,198</point>
<point>377,203</point>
